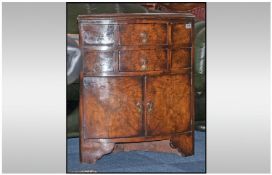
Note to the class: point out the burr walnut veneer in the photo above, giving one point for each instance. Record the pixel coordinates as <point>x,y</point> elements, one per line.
<point>136,83</point>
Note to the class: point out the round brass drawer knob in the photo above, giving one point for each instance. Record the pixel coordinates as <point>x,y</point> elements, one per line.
<point>143,64</point>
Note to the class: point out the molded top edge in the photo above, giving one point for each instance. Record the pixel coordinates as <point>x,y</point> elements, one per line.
<point>134,15</point>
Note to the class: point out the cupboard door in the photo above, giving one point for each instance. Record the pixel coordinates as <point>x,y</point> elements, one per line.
<point>168,104</point>
<point>112,107</point>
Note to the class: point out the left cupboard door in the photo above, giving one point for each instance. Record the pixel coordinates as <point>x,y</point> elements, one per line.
<point>112,107</point>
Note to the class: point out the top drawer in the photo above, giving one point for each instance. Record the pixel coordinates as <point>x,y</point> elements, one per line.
<point>182,34</point>
<point>99,34</point>
<point>130,34</point>
<point>143,34</point>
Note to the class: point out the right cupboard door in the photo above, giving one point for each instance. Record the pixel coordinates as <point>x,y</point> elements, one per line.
<point>168,104</point>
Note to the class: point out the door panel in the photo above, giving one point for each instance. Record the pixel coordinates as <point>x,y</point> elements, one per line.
<point>168,104</point>
<point>112,106</point>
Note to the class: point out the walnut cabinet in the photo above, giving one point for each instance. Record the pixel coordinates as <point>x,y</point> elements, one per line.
<point>136,83</point>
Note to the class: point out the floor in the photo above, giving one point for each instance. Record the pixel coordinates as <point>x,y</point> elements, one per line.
<point>140,161</point>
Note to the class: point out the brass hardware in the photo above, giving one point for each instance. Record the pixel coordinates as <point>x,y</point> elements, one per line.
<point>144,64</point>
<point>139,107</point>
<point>149,106</point>
<point>172,145</point>
<point>143,35</point>
<point>144,67</point>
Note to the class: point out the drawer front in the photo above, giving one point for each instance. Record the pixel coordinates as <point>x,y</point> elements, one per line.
<point>143,34</point>
<point>181,34</point>
<point>142,60</point>
<point>181,58</point>
<point>98,62</point>
<point>99,34</point>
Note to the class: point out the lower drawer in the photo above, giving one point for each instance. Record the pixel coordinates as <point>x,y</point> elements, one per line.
<point>99,62</point>
<point>181,58</point>
<point>142,60</point>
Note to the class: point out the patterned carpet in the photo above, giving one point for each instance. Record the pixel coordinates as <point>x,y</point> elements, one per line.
<point>140,161</point>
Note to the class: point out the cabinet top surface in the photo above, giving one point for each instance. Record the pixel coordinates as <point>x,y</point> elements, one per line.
<point>134,15</point>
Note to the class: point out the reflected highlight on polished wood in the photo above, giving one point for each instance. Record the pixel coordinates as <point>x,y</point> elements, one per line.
<point>137,83</point>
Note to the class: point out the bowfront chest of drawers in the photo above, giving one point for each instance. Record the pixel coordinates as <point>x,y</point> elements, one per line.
<point>136,83</point>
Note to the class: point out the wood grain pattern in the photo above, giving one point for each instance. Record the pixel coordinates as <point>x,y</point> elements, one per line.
<point>92,151</point>
<point>181,58</point>
<point>143,34</point>
<point>181,36</point>
<point>96,62</point>
<point>142,60</point>
<point>108,110</point>
<point>183,143</point>
<point>98,34</point>
<point>168,104</point>
<point>137,83</point>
